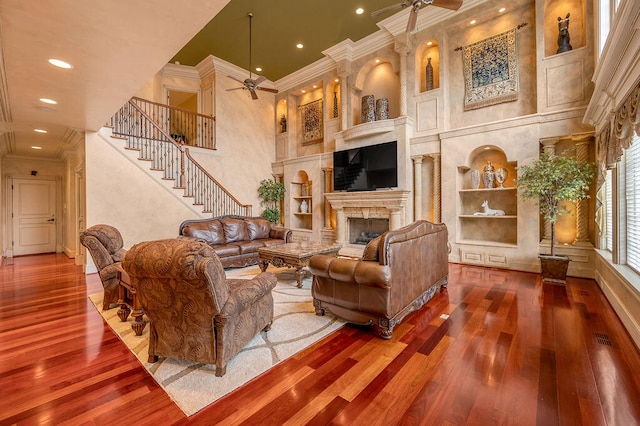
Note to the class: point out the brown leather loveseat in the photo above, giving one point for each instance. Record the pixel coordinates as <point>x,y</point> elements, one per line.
<point>235,239</point>
<point>398,273</point>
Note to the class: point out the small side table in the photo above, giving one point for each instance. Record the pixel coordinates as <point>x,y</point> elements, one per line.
<point>129,302</point>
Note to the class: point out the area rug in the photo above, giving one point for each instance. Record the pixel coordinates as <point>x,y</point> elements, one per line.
<point>193,386</point>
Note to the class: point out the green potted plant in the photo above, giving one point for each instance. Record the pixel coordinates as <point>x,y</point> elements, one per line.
<point>271,193</point>
<point>550,180</point>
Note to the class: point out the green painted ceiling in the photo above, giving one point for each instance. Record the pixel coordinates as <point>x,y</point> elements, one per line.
<point>277,26</point>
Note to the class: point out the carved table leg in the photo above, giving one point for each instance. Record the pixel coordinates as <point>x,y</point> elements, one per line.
<point>263,265</point>
<point>138,316</point>
<point>299,275</point>
<point>123,312</point>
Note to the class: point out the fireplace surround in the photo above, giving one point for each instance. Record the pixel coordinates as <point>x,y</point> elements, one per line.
<point>387,204</point>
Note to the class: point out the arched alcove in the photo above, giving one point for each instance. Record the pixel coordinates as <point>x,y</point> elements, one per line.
<point>281,112</point>
<point>378,78</point>
<point>428,53</point>
<point>554,9</point>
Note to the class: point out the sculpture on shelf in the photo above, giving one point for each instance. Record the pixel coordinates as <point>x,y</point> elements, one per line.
<point>563,35</point>
<point>489,175</point>
<point>382,109</point>
<point>501,176</point>
<point>488,211</point>
<point>368,109</point>
<point>283,124</point>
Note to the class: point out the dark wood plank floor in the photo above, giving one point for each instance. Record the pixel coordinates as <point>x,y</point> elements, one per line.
<point>497,348</point>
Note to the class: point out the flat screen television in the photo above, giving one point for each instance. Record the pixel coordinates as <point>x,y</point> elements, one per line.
<point>367,168</point>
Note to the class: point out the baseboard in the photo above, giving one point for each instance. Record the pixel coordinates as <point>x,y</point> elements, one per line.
<point>71,254</point>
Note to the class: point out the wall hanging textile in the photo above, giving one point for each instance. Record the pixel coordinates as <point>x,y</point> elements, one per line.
<point>490,71</point>
<point>312,124</point>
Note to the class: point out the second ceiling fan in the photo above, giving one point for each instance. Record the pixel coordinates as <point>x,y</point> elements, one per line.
<point>251,84</point>
<point>416,5</point>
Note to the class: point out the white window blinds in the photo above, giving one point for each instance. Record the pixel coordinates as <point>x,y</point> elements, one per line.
<point>608,209</point>
<point>632,189</point>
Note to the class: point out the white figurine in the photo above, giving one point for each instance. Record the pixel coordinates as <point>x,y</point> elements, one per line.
<point>488,211</point>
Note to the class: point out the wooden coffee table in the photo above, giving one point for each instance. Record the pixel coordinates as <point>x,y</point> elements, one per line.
<point>293,255</point>
<point>129,302</point>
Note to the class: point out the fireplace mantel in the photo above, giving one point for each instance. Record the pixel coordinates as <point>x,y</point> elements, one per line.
<point>384,204</point>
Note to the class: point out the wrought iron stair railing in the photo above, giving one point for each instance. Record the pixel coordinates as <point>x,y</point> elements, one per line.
<point>156,145</point>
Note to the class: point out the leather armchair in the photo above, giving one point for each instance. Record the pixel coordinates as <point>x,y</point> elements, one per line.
<point>105,246</point>
<point>398,273</point>
<point>195,313</point>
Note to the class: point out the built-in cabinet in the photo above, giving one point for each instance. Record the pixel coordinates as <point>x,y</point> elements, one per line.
<point>302,202</point>
<point>488,203</point>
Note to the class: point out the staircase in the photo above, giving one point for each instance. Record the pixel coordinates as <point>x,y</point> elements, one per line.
<point>151,129</point>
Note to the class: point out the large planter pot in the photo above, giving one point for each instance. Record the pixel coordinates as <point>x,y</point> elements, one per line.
<point>554,268</point>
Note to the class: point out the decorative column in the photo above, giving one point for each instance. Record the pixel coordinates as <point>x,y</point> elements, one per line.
<point>582,208</point>
<point>341,224</point>
<point>328,187</point>
<point>395,218</point>
<point>548,146</point>
<point>417,187</point>
<point>403,47</point>
<point>437,188</point>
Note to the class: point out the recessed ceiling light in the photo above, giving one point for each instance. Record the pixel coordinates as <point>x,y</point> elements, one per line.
<point>39,130</point>
<point>36,147</point>
<point>304,91</point>
<point>315,87</point>
<point>336,80</point>
<point>473,22</point>
<point>48,101</point>
<point>502,9</point>
<point>258,69</point>
<point>429,43</point>
<point>359,11</point>
<point>60,64</point>
<point>299,45</point>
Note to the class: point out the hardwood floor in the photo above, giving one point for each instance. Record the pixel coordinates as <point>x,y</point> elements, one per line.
<point>512,351</point>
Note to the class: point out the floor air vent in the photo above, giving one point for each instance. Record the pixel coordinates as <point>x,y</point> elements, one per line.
<point>603,339</point>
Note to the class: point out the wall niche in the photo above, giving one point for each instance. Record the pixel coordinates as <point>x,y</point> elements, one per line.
<point>428,66</point>
<point>554,9</point>
<point>378,79</point>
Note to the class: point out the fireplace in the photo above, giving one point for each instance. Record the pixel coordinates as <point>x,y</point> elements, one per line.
<point>388,206</point>
<point>361,231</point>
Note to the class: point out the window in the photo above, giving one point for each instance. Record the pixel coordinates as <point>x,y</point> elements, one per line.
<point>632,198</point>
<point>608,209</point>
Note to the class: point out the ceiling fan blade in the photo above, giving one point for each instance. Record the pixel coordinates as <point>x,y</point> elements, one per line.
<point>390,8</point>
<point>235,88</point>
<point>448,4</point>
<point>413,18</point>
<point>236,79</point>
<point>254,96</point>
<point>266,89</point>
<point>259,80</point>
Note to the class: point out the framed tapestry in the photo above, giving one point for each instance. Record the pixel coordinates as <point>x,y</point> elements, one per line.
<point>490,71</point>
<point>312,122</point>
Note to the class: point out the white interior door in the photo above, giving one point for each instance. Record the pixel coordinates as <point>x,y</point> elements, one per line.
<point>34,216</point>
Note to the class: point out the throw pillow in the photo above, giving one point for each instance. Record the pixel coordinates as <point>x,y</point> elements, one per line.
<point>371,250</point>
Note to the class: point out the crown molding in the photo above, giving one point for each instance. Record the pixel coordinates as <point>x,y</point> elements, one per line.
<point>180,71</point>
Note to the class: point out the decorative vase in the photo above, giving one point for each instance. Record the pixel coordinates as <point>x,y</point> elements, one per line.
<point>304,207</point>
<point>475,179</point>
<point>382,109</point>
<point>368,109</point>
<point>335,104</point>
<point>429,75</point>
<point>489,175</point>
<point>501,176</point>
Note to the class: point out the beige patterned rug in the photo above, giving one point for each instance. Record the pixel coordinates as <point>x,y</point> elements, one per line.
<point>193,386</point>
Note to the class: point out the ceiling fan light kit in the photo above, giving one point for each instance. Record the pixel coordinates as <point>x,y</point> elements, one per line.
<point>416,5</point>
<point>250,83</point>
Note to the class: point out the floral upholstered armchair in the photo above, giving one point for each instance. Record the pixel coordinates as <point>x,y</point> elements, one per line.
<point>105,245</point>
<point>195,312</point>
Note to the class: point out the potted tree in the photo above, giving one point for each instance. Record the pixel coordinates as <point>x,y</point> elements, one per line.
<point>271,193</point>
<point>550,180</point>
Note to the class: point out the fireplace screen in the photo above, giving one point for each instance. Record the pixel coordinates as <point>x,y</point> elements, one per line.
<point>361,231</point>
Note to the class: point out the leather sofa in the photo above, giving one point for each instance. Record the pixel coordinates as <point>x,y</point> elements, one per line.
<point>398,273</point>
<point>235,239</point>
<point>196,313</point>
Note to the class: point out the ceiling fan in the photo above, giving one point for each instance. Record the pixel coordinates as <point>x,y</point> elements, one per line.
<point>251,84</point>
<point>416,5</point>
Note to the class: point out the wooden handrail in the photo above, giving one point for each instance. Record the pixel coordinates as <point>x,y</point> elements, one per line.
<point>135,98</point>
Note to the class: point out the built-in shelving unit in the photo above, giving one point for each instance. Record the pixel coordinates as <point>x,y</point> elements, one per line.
<point>302,202</point>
